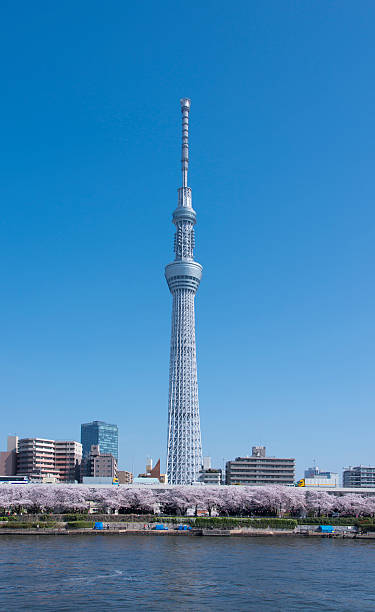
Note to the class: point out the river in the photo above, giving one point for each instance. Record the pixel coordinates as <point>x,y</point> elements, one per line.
<point>185,573</point>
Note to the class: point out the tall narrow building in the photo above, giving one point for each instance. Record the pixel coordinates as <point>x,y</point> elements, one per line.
<point>184,455</point>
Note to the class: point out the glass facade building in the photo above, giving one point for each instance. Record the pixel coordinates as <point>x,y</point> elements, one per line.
<point>101,433</point>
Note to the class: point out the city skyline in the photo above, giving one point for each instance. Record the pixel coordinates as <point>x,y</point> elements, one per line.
<point>37,458</point>
<point>282,173</point>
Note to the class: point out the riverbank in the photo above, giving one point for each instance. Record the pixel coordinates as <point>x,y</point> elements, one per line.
<point>194,532</point>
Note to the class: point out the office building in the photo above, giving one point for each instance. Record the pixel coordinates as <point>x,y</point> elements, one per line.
<point>102,434</point>
<point>360,476</point>
<point>184,451</point>
<point>260,470</point>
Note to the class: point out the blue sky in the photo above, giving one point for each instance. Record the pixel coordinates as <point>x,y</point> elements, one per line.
<point>282,172</point>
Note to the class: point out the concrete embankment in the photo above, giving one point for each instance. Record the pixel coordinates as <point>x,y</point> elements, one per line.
<point>193,532</point>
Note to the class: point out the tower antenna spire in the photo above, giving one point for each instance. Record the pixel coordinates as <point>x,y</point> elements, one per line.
<point>185,109</point>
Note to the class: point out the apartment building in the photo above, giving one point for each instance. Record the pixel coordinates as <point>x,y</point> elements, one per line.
<point>36,458</point>
<point>41,459</point>
<point>68,457</point>
<point>260,470</point>
<point>361,476</point>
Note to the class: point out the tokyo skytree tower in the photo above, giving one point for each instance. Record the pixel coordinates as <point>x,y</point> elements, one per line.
<point>184,456</point>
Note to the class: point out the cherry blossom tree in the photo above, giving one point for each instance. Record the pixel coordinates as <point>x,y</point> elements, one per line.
<point>227,501</point>
<point>319,502</point>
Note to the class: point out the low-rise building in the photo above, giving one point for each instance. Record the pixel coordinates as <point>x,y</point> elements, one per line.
<point>98,480</point>
<point>361,476</point>
<point>124,477</point>
<point>316,478</point>
<point>209,475</point>
<point>99,465</point>
<point>150,482</point>
<point>8,458</point>
<point>260,470</point>
<point>154,472</point>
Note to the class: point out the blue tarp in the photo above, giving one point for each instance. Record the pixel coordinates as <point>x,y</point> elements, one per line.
<point>98,525</point>
<point>326,528</point>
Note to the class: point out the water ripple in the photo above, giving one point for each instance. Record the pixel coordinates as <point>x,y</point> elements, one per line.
<point>190,574</point>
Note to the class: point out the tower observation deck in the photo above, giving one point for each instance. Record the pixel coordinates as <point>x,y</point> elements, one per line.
<point>184,454</point>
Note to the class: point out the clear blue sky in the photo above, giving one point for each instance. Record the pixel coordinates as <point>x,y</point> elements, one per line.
<point>282,172</point>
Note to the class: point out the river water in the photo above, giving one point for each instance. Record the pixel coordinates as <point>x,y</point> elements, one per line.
<point>185,573</point>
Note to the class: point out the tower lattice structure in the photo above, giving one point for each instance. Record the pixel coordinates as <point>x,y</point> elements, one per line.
<point>184,455</point>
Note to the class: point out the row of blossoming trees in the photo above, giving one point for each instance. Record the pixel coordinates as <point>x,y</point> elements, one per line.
<point>226,501</point>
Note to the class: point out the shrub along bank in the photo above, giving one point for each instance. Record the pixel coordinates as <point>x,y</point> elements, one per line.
<point>23,525</point>
<point>230,523</point>
<point>80,524</point>
<point>366,526</point>
<point>264,523</point>
<point>227,523</point>
<point>328,520</point>
<point>110,518</point>
<point>80,521</point>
